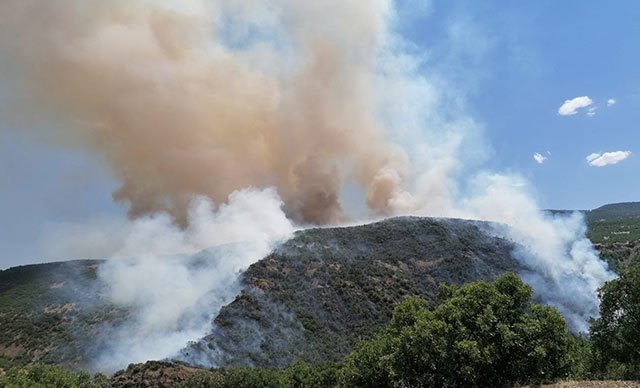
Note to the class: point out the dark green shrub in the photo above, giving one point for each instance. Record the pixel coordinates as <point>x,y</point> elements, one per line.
<point>482,334</point>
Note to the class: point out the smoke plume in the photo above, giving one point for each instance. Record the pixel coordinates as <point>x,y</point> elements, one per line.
<point>206,98</point>
<point>174,281</point>
<point>191,103</point>
<point>563,267</point>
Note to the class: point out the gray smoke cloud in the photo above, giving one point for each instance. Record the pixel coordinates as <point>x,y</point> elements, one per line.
<point>192,104</point>
<point>209,97</point>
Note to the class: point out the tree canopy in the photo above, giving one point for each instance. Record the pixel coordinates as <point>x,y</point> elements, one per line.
<point>482,334</point>
<point>615,335</point>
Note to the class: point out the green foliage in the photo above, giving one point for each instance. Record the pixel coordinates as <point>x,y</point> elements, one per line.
<point>203,379</point>
<point>303,375</point>
<point>298,375</point>
<point>614,231</point>
<point>368,365</point>
<point>254,378</point>
<point>616,334</point>
<point>482,334</point>
<point>43,376</point>
<point>580,358</point>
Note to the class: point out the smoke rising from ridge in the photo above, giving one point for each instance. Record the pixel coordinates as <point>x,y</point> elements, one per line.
<point>212,97</point>
<point>564,269</point>
<point>194,102</point>
<point>174,281</point>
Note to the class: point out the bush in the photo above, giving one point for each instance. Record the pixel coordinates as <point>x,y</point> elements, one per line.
<point>616,334</point>
<point>483,334</point>
<point>43,376</point>
<point>203,380</point>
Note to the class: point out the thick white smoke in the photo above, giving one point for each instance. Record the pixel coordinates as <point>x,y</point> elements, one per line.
<point>564,268</point>
<point>175,280</point>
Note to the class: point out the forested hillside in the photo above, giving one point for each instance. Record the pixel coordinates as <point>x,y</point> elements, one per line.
<point>313,299</point>
<point>326,289</point>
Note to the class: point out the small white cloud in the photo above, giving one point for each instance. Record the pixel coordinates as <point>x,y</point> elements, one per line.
<point>570,107</point>
<point>611,101</point>
<point>538,157</point>
<point>592,111</point>
<point>607,158</point>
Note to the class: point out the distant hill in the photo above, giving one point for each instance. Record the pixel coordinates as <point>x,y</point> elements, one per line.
<point>615,223</point>
<point>616,211</point>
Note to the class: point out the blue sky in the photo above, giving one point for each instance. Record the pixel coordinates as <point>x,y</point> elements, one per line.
<point>515,62</point>
<point>532,56</point>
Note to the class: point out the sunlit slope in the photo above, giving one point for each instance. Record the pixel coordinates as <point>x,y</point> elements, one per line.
<point>615,230</point>
<point>618,222</point>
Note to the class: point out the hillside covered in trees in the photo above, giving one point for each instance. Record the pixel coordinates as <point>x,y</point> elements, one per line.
<point>483,334</point>
<point>325,307</point>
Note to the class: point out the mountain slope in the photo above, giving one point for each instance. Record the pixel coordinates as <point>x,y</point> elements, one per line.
<point>615,231</point>
<point>322,291</point>
<point>53,313</point>
<point>614,223</point>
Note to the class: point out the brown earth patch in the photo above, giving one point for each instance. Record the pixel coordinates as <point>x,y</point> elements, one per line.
<point>11,351</point>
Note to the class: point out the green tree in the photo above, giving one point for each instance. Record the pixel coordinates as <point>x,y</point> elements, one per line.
<point>254,378</point>
<point>45,376</point>
<point>616,334</point>
<point>303,375</point>
<point>368,365</point>
<point>482,334</point>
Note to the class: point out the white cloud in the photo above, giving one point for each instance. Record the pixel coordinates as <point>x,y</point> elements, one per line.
<point>611,101</point>
<point>538,157</point>
<point>570,107</point>
<point>592,111</point>
<point>606,158</point>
